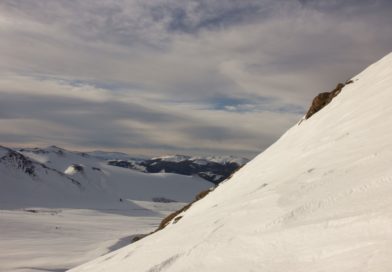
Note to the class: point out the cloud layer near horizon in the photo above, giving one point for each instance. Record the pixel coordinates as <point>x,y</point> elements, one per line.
<point>200,77</point>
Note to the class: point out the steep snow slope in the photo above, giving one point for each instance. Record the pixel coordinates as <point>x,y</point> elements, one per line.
<point>319,199</point>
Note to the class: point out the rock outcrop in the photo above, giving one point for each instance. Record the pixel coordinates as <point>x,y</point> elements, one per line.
<point>323,99</point>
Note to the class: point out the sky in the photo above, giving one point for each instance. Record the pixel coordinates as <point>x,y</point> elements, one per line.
<point>200,77</point>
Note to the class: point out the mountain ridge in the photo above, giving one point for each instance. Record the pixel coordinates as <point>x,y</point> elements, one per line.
<point>213,168</point>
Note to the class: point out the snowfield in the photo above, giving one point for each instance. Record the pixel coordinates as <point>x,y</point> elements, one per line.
<point>59,209</point>
<point>319,199</point>
<point>42,239</point>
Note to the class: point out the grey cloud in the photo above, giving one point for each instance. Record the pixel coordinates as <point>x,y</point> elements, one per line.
<point>89,123</point>
<point>266,56</point>
<point>209,15</point>
<point>95,124</point>
<point>18,138</point>
<point>55,108</point>
<point>344,6</point>
<point>216,133</point>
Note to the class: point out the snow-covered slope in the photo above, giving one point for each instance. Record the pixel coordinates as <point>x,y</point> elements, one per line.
<point>319,199</point>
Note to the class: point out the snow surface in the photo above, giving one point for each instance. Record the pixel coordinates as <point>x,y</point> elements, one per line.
<point>54,239</point>
<point>319,199</point>
<point>59,217</point>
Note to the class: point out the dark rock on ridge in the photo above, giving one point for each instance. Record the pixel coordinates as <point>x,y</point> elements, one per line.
<point>323,99</point>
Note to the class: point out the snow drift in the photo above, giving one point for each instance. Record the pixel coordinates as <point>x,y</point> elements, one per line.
<point>319,199</point>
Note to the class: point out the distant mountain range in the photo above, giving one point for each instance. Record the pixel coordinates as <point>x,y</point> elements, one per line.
<point>214,169</point>
<point>54,176</point>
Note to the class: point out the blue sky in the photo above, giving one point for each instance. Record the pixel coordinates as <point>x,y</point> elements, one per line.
<point>170,76</point>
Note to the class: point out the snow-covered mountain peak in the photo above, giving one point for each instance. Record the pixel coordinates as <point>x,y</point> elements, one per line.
<point>319,199</point>
<point>16,160</point>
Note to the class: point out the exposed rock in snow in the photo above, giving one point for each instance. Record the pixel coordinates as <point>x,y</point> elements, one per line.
<point>323,99</point>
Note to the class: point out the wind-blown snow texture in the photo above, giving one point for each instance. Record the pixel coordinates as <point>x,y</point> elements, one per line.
<point>319,199</point>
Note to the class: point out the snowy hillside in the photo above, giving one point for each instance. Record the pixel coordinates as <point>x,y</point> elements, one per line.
<point>319,199</point>
<point>54,177</point>
<point>59,209</point>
